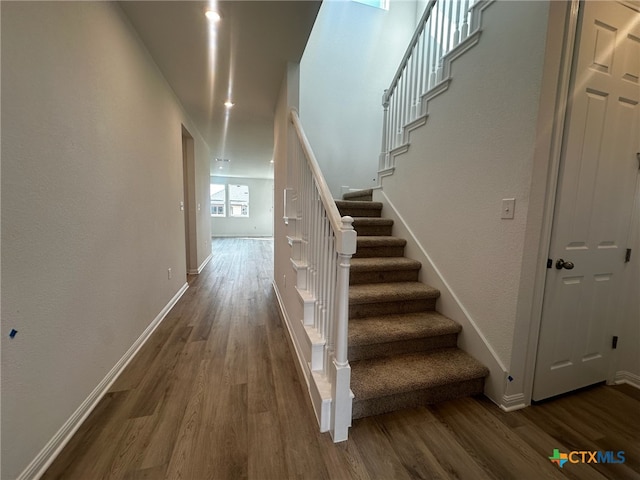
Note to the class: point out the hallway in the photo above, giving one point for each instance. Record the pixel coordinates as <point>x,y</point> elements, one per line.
<point>214,394</point>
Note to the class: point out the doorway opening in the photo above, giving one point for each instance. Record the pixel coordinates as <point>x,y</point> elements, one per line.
<point>189,202</point>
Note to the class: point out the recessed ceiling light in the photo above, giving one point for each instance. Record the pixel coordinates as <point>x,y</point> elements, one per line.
<point>212,15</point>
<point>271,161</point>
<point>229,104</point>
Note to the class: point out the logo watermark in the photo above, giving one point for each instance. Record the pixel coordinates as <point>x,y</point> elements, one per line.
<point>586,456</point>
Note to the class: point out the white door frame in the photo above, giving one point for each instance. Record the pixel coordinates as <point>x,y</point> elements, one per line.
<point>558,130</point>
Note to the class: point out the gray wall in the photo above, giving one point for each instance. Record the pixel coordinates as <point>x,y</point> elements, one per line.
<point>91,219</point>
<point>476,149</point>
<point>351,57</point>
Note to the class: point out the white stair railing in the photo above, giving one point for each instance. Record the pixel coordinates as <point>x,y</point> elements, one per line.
<point>327,243</point>
<point>444,25</point>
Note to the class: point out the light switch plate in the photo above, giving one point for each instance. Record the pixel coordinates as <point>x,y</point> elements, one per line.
<point>508,208</point>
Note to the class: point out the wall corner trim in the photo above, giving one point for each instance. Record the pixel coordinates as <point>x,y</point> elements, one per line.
<point>509,403</point>
<point>52,449</point>
<point>198,271</point>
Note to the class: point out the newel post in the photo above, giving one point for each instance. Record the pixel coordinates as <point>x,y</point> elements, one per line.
<point>341,384</point>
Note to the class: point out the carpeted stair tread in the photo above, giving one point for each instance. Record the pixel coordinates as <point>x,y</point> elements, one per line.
<point>355,208</point>
<point>373,226</point>
<point>382,377</point>
<point>363,205</point>
<point>390,292</point>
<point>361,195</point>
<point>379,246</point>
<point>402,352</point>
<point>380,241</point>
<point>374,264</point>
<point>401,327</point>
<point>372,221</point>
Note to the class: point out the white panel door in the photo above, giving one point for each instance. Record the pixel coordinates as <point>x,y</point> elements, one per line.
<point>594,202</point>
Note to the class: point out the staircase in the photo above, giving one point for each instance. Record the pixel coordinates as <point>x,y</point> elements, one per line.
<point>402,352</point>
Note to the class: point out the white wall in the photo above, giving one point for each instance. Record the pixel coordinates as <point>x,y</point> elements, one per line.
<point>259,223</point>
<point>351,57</point>
<point>629,328</point>
<point>284,276</point>
<point>91,187</point>
<point>476,149</point>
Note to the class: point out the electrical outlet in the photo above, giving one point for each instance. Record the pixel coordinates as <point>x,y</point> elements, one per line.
<point>169,273</point>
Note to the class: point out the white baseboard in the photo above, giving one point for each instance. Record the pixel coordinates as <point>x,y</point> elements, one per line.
<point>627,377</point>
<point>292,338</point>
<point>198,271</point>
<point>317,385</point>
<point>256,237</point>
<point>53,448</point>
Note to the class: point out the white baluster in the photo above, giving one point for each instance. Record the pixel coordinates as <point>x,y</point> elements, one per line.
<point>441,41</point>
<point>325,273</point>
<point>464,32</point>
<point>429,40</point>
<point>382,163</point>
<point>446,4</point>
<point>398,119</point>
<point>331,330</point>
<point>456,34</point>
<point>392,113</point>
<point>318,249</point>
<point>406,102</point>
<point>435,50</point>
<point>411,69</point>
<point>424,60</point>
<point>403,103</point>
<point>416,81</point>
<point>400,109</point>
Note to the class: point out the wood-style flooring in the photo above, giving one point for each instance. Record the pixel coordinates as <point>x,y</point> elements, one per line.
<point>215,394</point>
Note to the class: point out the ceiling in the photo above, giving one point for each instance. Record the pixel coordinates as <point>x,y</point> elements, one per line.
<point>245,53</point>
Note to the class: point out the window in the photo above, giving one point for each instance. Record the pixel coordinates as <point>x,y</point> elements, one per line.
<point>238,201</point>
<point>218,200</point>
<point>233,199</point>
<point>382,4</point>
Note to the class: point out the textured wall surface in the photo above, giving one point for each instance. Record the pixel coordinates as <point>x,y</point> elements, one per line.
<point>91,219</point>
<point>351,57</point>
<point>476,149</point>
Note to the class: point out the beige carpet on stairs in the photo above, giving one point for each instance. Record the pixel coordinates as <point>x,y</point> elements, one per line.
<point>403,353</point>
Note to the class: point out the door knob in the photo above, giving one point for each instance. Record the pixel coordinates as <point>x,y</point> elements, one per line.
<point>560,264</point>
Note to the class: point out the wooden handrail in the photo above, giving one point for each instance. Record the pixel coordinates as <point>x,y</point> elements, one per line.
<point>412,45</point>
<point>338,224</point>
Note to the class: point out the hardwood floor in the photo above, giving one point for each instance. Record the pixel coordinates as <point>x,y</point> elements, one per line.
<point>214,394</point>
